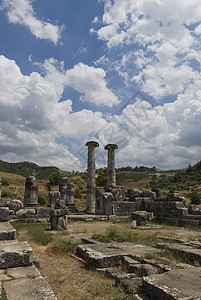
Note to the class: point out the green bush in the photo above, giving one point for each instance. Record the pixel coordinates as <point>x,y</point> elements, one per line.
<point>77,194</point>
<point>42,199</point>
<point>65,246</point>
<point>5,182</point>
<point>55,178</point>
<point>195,197</point>
<point>9,195</point>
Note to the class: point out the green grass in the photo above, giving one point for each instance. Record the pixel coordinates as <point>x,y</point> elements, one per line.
<point>36,231</point>
<point>68,245</point>
<point>3,295</point>
<point>119,234</point>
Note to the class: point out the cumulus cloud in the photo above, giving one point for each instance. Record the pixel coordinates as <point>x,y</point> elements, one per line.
<point>165,38</point>
<point>36,126</point>
<point>91,82</point>
<point>21,11</point>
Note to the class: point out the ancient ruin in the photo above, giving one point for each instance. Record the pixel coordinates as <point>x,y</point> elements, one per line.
<point>91,181</point>
<point>31,192</point>
<point>111,176</point>
<point>139,263</point>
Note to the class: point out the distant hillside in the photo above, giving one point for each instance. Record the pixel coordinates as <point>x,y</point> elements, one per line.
<point>26,169</point>
<point>181,179</point>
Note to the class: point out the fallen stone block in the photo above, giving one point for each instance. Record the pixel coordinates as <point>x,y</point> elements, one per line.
<point>27,284</point>
<point>7,232</point>
<point>15,205</point>
<point>105,255</point>
<point>15,254</point>
<point>174,285</point>
<point>4,214</point>
<point>27,212</point>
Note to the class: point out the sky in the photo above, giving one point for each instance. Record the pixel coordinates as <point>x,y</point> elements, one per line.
<point>113,71</point>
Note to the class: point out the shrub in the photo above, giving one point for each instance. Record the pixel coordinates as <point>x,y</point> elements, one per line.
<point>195,197</point>
<point>77,194</point>
<point>65,246</point>
<point>5,182</point>
<point>42,199</point>
<point>55,178</point>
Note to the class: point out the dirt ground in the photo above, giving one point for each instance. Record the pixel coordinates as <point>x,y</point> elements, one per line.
<point>70,279</point>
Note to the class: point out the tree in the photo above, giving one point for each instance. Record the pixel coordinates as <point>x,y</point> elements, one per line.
<point>195,197</point>
<point>55,178</point>
<point>101,179</point>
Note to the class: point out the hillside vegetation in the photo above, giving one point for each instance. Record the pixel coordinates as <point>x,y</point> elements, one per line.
<point>26,169</point>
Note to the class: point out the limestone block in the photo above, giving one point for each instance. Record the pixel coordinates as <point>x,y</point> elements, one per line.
<point>118,194</point>
<point>7,231</point>
<point>150,194</point>
<point>15,254</point>
<point>27,212</point>
<point>4,214</point>
<point>31,192</point>
<point>140,217</point>
<point>3,202</point>
<point>62,223</point>
<point>134,193</point>
<point>15,205</point>
<point>133,224</point>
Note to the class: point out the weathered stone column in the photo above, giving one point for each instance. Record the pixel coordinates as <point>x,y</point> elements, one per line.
<point>111,175</point>
<point>0,187</point>
<point>31,192</point>
<point>63,188</point>
<point>91,181</point>
<point>70,193</point>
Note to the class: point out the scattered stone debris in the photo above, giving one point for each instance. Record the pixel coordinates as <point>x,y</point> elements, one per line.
<point>19,278</point>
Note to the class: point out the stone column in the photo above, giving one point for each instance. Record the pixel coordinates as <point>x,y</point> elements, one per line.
<point>91,181</point>
<point>70,193</point>
<point>63,188</point>
<point>31,192</point>
<point>0,187</point>
<point>111,175</point>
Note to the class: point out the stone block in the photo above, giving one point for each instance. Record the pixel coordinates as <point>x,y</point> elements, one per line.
<point>43,212</point>
<point>149,194</point>
<point>15,254</point>
<point>26,213</point>
<point>141,217</point>
<point>134,193</point>
<point>118,194</point>
<point>4,214</point>
<point>7,231</point>
<point>28,285</point>
<point>3,202</point>
<point>175,285</point>
<point>123,208</point>
<point>15,205</point>
<point>133,224</point>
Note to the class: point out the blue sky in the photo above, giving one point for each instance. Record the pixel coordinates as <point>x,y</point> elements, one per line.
<point>115,71</point>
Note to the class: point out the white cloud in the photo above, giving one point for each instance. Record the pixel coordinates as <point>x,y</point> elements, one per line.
<point>21,11</point>
<point>35,126</point>
<point>163,42</point>
<point>91,82</point>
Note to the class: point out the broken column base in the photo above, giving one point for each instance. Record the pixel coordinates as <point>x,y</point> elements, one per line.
<point>58,219</point>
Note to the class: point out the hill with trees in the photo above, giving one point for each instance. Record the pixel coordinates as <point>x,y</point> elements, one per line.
<point>27,168</point>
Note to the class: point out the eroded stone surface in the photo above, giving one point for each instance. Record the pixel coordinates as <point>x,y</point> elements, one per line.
<point>14,254</point>
<point>174,285</point>
<point>7,232</point>
<point>104,255</point>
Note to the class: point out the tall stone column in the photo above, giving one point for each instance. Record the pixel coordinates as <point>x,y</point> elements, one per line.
<point>111,175</point>
<point>91,181</point>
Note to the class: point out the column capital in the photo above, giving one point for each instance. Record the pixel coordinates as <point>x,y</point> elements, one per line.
<point>92,144</point>
<point>111,146</point>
